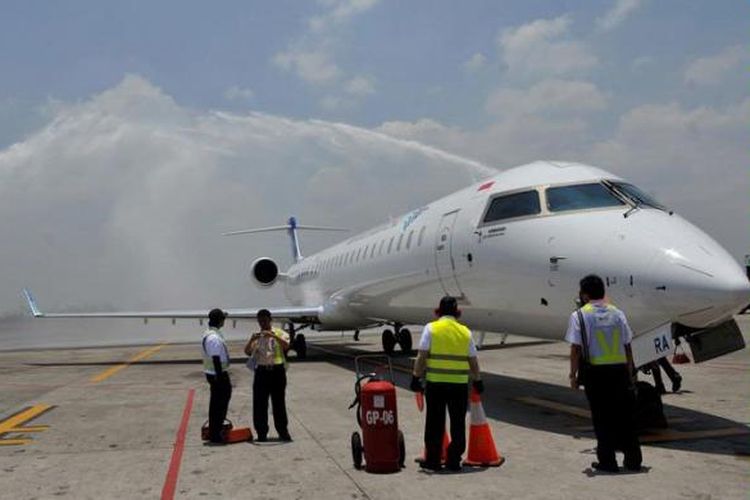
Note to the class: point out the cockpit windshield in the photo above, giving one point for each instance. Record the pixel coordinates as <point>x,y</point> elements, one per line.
<point>636,195</point>
<point>581,197</point>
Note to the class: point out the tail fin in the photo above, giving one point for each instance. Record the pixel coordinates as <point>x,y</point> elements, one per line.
<point>291,228</point>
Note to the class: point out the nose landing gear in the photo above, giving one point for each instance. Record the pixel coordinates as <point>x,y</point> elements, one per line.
<point>400,336</point>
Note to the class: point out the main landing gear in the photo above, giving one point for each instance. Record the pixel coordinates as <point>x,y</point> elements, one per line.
<point>400,336</point>
<point>297,340</point>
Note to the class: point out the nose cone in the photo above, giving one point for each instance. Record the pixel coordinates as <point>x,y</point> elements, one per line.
<point>695,278</point>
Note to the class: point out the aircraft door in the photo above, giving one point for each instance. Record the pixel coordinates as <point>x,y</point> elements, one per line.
<point>444,259</point>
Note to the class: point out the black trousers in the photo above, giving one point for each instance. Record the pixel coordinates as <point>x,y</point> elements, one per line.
<point>221,393</point>
<point>270,383</point>
<point>612,402</point>
<point>454,397</point>
<point>657,366</point>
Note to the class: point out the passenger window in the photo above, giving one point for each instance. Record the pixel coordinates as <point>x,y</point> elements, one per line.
<point>372,252</point>
<point>408,240</point>
<point>421,236</point>
<point>580,197</point>
<point>380,247</point>
<point>398,245</point>
<point>512,206</point>
<point>390,244</point>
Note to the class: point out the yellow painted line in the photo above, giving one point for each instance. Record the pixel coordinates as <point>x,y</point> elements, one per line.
<point>671,435</point>
<point>553,405</point>
<point>14,442</point>
<point>672,420</point>
<point>33,428</point>
<point>138,357</point>
<point>13,423</point>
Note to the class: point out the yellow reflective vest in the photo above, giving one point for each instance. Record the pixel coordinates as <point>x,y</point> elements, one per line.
<point>448,359</point>
<point>604,331</point>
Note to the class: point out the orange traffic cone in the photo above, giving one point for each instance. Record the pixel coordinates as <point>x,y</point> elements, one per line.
<point>482,451</point>
<point>443,455</point>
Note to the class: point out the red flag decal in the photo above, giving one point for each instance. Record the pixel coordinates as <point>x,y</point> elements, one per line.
<point>486,185</point>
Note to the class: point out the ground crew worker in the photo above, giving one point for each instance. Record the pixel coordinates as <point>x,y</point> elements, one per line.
<point>268,348</point>
<point>447,355</point>
<point>215,366</point>
<point>608,377</point>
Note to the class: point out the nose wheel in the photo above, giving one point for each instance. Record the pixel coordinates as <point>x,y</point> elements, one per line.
<point>401,336</point>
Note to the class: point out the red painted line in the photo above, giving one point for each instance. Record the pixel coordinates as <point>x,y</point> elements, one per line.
<point>170,483</point>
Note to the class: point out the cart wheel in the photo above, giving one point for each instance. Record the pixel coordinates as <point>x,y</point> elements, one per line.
<point>389,341</point>
<point>357,450</point>
<point>401,450</point>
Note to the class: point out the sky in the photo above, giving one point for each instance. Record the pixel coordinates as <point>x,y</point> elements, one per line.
<point>133,133</point>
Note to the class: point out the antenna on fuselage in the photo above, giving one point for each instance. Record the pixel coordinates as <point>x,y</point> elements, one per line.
<point>292,229</point>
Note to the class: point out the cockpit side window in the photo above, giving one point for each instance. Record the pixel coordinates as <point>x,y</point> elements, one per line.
<point>512,205</point>
<point>580,197</point>
<point>637,195</point>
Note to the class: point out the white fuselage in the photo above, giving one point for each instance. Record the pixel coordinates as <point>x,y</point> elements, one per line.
<point>520,274</point>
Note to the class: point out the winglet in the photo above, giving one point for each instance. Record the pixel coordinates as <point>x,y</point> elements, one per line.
<point>32,304</point>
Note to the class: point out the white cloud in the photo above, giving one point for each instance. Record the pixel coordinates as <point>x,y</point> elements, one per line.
<point>359,86</point>
<point>548,96</point>
<point>640,63</point>
<point>340,11</point>
<point>543,47</point>
<point>475,62</point>
<point>312,56</point>
<point>237,93</point>
<point>619,12</point>
<point>121,198</point>
<point>316,67</point>
<point>713,69</point>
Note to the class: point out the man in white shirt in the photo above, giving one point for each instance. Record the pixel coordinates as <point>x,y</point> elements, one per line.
<point>215,366</point>
<point>447,359</point>
<point>599,338</point>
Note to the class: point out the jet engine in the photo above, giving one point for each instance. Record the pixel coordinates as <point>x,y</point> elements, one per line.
<point>264,271</point>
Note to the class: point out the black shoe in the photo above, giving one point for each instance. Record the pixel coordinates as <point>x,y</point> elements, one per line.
<point>604,468</point>
<point>285,437</point>
<point>454,466</point>
<point>436,467</point>
<point>262,438</point>
<point>677,383</point>
<point>634,469</point>
<point>215,443</point>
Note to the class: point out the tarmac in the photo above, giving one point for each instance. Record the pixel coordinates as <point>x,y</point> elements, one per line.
<point>124,422</point>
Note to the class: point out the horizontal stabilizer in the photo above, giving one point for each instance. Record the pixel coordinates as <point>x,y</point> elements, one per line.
<point>294,314</point>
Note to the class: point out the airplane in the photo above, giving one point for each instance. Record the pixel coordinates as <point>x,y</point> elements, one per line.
<point>512,248</point>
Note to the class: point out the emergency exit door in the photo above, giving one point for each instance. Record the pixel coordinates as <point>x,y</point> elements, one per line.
<point>444,259</point>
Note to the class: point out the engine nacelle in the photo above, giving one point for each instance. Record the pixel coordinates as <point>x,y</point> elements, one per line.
<point>264,271</point>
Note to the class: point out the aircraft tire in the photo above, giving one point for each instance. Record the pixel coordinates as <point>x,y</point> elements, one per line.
<point>300,346</point>
<point>389,341</point>
<point>405,340</point>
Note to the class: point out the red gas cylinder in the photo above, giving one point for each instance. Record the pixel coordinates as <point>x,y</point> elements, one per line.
<point>379,421</point>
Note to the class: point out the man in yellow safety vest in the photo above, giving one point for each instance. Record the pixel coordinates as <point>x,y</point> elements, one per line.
<point>267,349</point>
<point>447,357</point>
<point>600,339</point>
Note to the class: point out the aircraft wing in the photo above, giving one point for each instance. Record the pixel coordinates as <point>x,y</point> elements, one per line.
<point>294,314</point>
